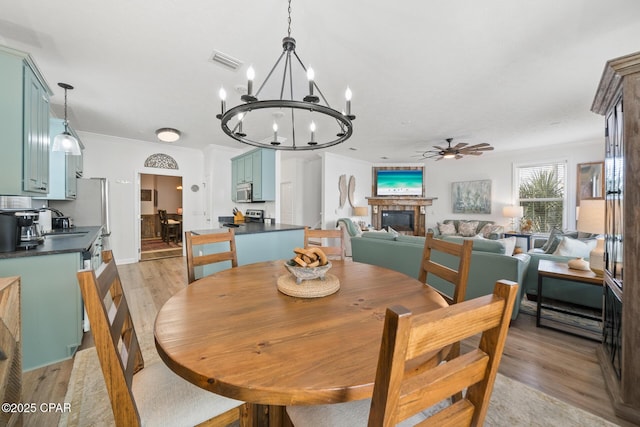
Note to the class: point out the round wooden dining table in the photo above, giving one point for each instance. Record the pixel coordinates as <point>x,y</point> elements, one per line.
<point>235,334</point>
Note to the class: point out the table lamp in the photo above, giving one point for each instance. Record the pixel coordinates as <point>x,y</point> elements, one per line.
<point>361,211</point>
<point>591,220</point>
<point>513,212</point>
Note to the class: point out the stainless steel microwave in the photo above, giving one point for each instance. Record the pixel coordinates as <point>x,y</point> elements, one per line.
<point>243,193</point>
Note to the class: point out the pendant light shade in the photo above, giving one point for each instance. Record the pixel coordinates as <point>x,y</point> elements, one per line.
<point>65,141</point>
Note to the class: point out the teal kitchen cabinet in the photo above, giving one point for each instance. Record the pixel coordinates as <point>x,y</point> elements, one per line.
<point>51,306</point>
<point>64,168</point>
<point>257,167</point>
<point>264,175</point>
<point>24,120</point>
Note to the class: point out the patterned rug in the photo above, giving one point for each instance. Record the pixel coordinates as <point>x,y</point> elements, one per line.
<point>512,403</point>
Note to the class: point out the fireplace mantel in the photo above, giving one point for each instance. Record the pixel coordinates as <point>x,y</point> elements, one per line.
<point>417,204</point>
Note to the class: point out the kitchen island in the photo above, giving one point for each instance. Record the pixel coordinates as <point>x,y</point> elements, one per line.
<point>50,295</point>
<point>255,242</point>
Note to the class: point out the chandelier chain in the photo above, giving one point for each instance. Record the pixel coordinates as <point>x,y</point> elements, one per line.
<point>289,20</point>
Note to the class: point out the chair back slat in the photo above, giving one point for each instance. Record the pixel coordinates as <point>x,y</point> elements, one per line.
<point>458,278</point>
<point>400,393</point>
<point>195,260</point>
<point>335,252</point>
<point>115,339</point>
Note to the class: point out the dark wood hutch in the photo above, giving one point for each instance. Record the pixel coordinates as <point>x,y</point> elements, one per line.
<point>618,100</point>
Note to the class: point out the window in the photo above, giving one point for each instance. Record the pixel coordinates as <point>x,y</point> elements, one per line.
<point>541,192</point>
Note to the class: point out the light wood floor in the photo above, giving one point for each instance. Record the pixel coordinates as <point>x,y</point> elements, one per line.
<point>558,364</point>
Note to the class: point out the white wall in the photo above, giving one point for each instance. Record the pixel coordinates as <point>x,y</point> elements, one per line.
<point>498,167</point>
<point>333,166</point>
<point>121,161</point>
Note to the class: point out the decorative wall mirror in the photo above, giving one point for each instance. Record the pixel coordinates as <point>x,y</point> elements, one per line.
<point>590,181</point>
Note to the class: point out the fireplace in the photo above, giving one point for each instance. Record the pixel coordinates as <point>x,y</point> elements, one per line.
<point>401,221</point>
<point>406,215</point>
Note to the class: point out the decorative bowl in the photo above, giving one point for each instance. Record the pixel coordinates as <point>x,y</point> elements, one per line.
<point>307,273</point>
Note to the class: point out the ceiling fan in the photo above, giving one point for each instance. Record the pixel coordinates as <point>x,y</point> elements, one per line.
<point>456,152</point>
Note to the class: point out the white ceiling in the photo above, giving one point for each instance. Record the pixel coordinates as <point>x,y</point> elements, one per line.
<point>513,73</point>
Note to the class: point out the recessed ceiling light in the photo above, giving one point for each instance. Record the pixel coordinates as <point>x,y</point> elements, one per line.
<point>168,134</point>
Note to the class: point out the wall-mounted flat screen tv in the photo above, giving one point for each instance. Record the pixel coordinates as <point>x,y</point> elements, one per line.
<point>399,182</point>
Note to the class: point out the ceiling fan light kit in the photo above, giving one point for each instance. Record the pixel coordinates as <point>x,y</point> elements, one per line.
<point>65,141</point>
<point>326,126</point>
<point>458,151</point>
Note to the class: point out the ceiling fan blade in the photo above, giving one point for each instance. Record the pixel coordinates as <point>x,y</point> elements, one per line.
<point>458,156</point>
<point>439,148</point>
<point>460,145</point>
<point>484,144</point>
<point>473,153</point>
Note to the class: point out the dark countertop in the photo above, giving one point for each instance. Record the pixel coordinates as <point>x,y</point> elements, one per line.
<point>76,239</point>
<point>253,228</point>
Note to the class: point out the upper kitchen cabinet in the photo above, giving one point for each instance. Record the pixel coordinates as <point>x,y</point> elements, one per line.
<point>258,168</point>
<point>64,168</point>
<point>24,120</point>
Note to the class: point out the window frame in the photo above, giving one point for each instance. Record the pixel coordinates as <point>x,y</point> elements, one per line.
<point>565,197</point>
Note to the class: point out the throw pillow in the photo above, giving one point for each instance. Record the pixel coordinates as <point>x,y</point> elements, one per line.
<point>575,248</point>
<point>490,229</point>
<point>447,228</point>
<point>509,244</point>
<point>467,228</point>
<point>554,239</point>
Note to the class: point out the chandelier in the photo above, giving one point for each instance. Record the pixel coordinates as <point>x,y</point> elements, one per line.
<point>283,122</point>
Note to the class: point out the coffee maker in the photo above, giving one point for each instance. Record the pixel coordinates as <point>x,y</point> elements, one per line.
<point>28,230</point>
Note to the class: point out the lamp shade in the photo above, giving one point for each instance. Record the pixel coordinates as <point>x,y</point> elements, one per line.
<point>591,216</point>
<point>512,211</point>
<point>360,211</point>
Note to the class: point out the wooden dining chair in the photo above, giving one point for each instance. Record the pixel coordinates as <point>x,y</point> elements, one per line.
<point>169,229</point>
<point>406,390</point>
<point>139,394</point>
<point>197,258</point>
<point>315,238</point>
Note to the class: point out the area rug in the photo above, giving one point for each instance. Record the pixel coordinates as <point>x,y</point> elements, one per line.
<point>512,403</point>
<point>158,244</point>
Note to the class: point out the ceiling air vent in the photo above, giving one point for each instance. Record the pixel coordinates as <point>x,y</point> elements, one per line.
<point>225,60</point>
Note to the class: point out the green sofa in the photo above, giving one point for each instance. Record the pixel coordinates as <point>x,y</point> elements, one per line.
<point>495,234</point>
<point>404,254</point>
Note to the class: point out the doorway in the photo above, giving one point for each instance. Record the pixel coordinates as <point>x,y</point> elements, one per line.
<point>160,237</point>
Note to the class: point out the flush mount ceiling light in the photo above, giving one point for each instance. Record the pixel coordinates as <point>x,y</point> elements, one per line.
<point>65,141</point>
<point>168,134</point>
<point>287,118</point>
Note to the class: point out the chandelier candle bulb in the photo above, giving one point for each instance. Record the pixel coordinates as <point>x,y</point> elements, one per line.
<point>347,95</point>
<point>275,134</point>
<point>310,76</point>
<point>312,128</point>
<point>251,74</point>
<point>223,98</point>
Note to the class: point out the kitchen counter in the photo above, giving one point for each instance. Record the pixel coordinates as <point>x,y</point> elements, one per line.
<point>255,242</point>
<point>76,239</point>
<point>253,228</point>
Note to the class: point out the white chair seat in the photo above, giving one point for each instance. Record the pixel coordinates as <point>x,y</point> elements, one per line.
<point>165,399</point>
<point>348,414</point>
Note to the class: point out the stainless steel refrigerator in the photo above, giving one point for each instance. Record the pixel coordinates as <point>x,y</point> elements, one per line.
<point>91,205</point>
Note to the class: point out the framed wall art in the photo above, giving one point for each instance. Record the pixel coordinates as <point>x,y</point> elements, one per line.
<point>471,196</point>
<point>590,181</point>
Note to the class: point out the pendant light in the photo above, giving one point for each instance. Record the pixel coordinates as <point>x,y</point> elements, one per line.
<point>65,141</point>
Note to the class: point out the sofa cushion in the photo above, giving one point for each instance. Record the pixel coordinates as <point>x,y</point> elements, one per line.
<point>468,228</point>
<point>554,239</point>
<point>490,229</point>
<point>447,228</point>
<point>509,244</point>
<point>479,244</point>
<point>575,248</point>
<point>411,239</point>
<point>378,235</point>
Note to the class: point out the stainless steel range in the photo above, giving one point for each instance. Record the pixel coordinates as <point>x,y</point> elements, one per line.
<point>254,215</point>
